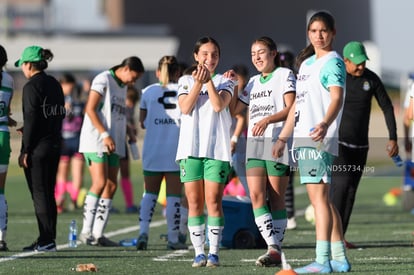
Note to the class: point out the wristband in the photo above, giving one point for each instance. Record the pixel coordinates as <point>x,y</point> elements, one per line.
<point>234,139</point>
<point>104,135</point>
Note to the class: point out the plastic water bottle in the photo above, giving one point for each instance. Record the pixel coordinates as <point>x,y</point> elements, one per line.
<point>73,232</point>
<point>128,242</point>
<point>398,161</point>
<point>134,150</point>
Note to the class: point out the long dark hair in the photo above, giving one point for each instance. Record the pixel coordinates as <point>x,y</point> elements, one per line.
<point>133,62</point>
<point>3,61</point>
<point>42,64</point>
<point>329,22</point>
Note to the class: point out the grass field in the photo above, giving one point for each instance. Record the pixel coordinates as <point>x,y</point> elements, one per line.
<point>382,232</point>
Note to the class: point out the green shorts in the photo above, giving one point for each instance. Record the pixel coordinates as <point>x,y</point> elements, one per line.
<point>112,159</point>
<point>193,169</point>
<point>5,149</point>
<point>273,168</point>
<point>314,165</point>
<point>156,173</point>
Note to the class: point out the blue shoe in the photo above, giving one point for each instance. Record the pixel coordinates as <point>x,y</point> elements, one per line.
<point>314,267</point>
<point>212,260</point>
<point>200,260</point>
<point>339,266</point>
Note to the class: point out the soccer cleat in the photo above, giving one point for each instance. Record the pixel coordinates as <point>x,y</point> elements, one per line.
<point>314,267</point>
<point>3,246</point>
<point>50,247</point>
<point>271,258</point>
<point>200,261</point>
<point>182,238</point>
<point>339,266</point>
<point>132,209</point>
<point>86,238</point>
<point>104,241</point>
<point>212,260</point>
<point>142,242</point>
<point>176,246</point>
<point>291,223</point>
<point>349,245</point>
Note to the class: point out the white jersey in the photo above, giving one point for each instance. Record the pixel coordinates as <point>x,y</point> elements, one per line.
<point>111,112</point>
<point>6,93</point>
<point>162,124</point>
<point>312,99</point>
<point>265,97</point>
<point>205,133</point>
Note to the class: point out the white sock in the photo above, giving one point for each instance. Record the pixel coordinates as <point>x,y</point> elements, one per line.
<point>146,211</point>
<point>198,237</point>
<point>101,217</point>
<point>265,225</point>
<point>214,238</point>
<point>89,211</point>
<point>183,220</point>
<point>3,217</point>
<point>280,228</point>
<point>173,218</point>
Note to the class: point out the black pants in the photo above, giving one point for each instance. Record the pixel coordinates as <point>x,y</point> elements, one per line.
<point>347,171</point>
<point>41,179</point>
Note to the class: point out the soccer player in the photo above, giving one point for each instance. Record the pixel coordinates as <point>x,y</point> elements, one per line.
<point>315,121</point>
<point>160,116</point>
<point>269,95</point>
<point>102,143</point>
<point>204,147</point>
<point>6,95</point>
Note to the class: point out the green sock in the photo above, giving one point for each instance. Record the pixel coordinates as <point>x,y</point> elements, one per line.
<point>338,251</point>
<point>322,251</point>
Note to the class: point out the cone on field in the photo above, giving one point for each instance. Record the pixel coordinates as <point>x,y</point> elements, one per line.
<point>286,268</point>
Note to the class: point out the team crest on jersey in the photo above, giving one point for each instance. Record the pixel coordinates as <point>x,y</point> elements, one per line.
<point>366,86</point>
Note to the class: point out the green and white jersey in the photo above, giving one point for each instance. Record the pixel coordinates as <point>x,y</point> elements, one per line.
<point>265,97</point>
<point>162,124</point>
<point>111,112</point>
<point>205,133</point>
<point>312,99</point>
<point>6,92</point>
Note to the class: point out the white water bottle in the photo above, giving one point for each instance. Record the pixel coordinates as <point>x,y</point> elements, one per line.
<point>73,232</point>
<point>134,150</point>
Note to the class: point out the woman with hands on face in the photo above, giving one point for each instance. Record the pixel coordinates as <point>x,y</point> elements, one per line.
<point>204,147</point>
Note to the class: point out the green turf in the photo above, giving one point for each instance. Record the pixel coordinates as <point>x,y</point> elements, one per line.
<point>383,232</point>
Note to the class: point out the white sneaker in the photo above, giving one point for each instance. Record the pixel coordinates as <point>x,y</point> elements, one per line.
<point>291,223</point>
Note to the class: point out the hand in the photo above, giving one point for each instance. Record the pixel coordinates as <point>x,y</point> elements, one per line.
<point>318,132</point>
<point>109,143</point>
<point>20,130</point>
<point>232,147</point>
<point>23,160</point>
<point>278,148</point>
<point>201,74</point>
<point>392,148</point>
<point>259,128</point>
<point>231,75</point>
